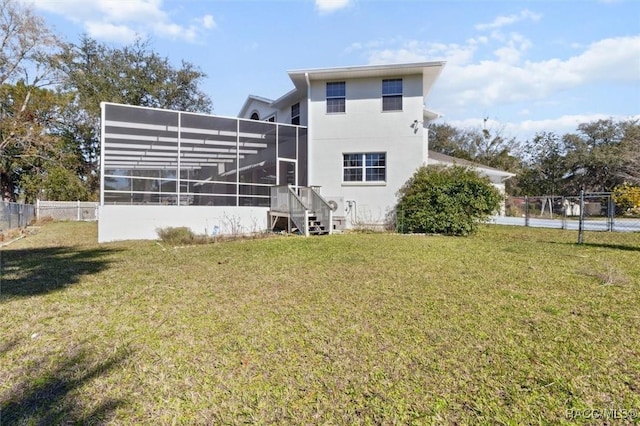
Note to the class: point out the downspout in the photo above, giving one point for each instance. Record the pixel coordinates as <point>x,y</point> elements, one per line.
<point>309,132</point>
<point>425,137</point>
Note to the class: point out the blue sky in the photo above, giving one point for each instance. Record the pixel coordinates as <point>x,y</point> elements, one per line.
<point>527,66</point>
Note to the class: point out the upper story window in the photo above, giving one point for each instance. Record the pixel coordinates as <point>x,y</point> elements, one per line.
<point>336,97</point>
<point>295,114</point>
<point>254,116</point>
<point>364,167</point>
<point>392,94</point>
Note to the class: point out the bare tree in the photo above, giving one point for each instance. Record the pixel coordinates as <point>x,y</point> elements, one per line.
<point>28,45</point>
<point>27,55</point>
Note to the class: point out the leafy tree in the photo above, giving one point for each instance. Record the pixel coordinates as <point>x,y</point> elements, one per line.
<point>545,166</point>
<point>481,146</point>
<point>599,156</point>
<point>630,152</point>
<point>449,140</point>
<point>446,200</point>
<point>56,183</point>
<point>593,156</point>
<point>26,145</point>
<point>134,75</point>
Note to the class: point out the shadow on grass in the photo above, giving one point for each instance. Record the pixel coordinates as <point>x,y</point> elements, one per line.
<point>30,272</point>
<point>7,345</point>
<point>613,246</point>
<point>51,395</point>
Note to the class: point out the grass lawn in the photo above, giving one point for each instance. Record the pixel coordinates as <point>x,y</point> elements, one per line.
<point>510,326</point>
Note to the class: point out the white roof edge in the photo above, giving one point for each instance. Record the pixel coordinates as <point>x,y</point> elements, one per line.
<point>429,114</point>
<point>293,93</point>
<point>379,67</point>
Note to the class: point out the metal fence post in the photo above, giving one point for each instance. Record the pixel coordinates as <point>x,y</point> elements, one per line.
<point>564,213</point>
<point>581,220</point>
<point>526,210</point>
<point>611,211</point>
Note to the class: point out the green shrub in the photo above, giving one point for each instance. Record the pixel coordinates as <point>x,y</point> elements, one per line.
<point>179,235</point>
<point>445,200</point>
<point>627,199</point>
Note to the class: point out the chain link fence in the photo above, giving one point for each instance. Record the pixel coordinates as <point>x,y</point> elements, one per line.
<point>15,215</point>
<point>67,210</point>
<point>596,211</point>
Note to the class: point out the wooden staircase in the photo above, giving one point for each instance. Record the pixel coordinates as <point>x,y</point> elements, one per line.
<point>302,209</point>
<point>316,227</point>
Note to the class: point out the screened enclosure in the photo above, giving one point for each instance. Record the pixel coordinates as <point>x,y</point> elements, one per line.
<point>161,157</point>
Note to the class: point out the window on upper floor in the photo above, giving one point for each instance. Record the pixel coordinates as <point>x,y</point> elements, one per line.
<point>364,167</point>
<point>392,94</point>
<point>336,97</point>
<point>254,116</point>
<point>295,114</point>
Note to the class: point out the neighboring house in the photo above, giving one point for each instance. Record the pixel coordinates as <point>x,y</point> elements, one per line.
<point>353,134</point>
<point>496,176</point>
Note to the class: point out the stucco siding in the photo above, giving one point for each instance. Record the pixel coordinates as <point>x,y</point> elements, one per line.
<point>138,222</point>
<point>365,128</point>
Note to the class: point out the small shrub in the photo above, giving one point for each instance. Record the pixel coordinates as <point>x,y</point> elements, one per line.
<point>445,200</point>
<point>44,220</point>
<point>176,236</point>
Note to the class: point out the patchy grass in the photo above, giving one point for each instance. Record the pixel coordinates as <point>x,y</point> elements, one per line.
<point>510,326</point>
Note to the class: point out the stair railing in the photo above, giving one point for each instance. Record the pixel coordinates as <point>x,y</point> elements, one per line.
<point>298,212</point>
<point>319,207</point>
<point>280,199</point>
<point>299,202</point>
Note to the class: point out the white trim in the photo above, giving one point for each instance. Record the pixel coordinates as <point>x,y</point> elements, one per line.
<point>365,183</point>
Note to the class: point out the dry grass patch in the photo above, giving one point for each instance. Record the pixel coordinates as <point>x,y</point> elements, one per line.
<point>501,327</point>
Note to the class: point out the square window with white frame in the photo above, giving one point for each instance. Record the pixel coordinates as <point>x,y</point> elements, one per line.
<point>392,94</point>
<point>364,167</point>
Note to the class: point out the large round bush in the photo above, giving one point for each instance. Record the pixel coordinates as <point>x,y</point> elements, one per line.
<point>445,200</point>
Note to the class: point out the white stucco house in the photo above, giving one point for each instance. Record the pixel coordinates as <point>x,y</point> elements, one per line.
<point>329,154</point>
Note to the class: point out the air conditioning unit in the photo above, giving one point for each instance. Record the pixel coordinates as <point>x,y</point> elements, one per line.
<point>337,205</point>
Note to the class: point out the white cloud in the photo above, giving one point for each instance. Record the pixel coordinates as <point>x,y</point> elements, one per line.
<point>208,22</point>
<point>123,21</point>
<point>502,21</point>
<point>560,125</point>
<point>508,77</point>
<point>106,31</point>
<point>515,46</point>
<point>526,129</point>
<point>131,10</point>
<point>328,6</point>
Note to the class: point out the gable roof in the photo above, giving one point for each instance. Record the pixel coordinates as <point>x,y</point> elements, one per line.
<point>250,99</point>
